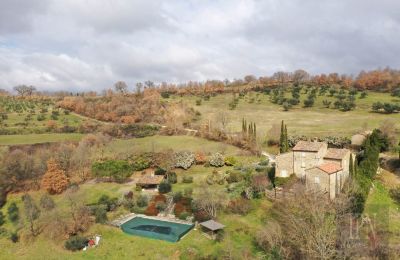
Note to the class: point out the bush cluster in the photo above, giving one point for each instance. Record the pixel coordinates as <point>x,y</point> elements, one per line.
<point>184,159</point>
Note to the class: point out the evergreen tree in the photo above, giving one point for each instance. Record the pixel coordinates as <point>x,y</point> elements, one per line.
<point>355,167</point>
<point>351,166</point>
<point>282,139</point>
<point>286,140</point>
<point>255,131</point>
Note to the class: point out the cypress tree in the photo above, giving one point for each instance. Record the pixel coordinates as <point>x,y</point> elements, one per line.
<point>282,139</point>
<point>286,140</point>
<point>351,166</point>
<point>355,167</point>
<point>255,131</point>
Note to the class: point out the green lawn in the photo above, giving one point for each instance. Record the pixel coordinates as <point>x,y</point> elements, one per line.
<point>384,211</point>
<point>314,121</point>
<point>37,138</point>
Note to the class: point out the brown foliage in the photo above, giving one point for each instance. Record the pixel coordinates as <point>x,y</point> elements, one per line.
<point>200,158</point>
<point>151,210</point>
<point>54,181</point>
<point>239,206</point>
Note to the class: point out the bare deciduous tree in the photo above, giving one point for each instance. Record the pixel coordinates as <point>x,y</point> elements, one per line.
<point>121,87</point>
<point>223,119</point>
<point>24,90</point>
<point>210,201</point>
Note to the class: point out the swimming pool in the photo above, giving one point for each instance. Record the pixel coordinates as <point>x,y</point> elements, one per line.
<point>157,229</point>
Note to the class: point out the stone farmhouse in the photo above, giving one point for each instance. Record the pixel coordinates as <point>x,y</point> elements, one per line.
<point>321,168</point>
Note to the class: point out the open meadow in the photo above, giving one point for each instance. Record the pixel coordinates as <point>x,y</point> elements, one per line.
<point>312,121</point>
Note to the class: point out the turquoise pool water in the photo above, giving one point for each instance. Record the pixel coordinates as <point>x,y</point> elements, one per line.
<point>157,229</point>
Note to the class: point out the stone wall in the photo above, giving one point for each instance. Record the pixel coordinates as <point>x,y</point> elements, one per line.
<point>306,160</point>
<point>284,165</point>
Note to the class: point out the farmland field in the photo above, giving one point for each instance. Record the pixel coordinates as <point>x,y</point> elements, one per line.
<point>32,116</point>
<point>313,121</point>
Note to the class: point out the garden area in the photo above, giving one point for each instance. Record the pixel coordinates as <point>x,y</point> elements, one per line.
<point>192,176</point>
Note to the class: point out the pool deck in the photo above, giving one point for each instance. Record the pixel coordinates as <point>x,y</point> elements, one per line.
<point>123,219</point>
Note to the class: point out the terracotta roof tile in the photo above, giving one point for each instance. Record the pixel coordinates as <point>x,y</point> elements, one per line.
<point>329,167</point>
<point>308,146</point>
<point>334,153</point>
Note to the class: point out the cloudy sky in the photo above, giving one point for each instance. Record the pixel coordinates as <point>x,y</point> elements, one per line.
<point>90,44</point>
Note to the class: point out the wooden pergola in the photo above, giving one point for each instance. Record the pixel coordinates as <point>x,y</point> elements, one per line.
<point>211,228</point>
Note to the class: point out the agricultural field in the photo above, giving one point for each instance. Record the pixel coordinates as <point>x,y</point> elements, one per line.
<point>22,116</point>
<point>312,121</point>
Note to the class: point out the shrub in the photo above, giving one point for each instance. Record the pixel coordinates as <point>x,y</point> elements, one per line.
<point>184,159</point>
<point>160,197</point>
<point>142,201</point>
<point>172,178</point>
<point>187,179</point>
<point>164,187</point>
<point>117,170</point>
<point>128,195</point>
<point>159,171</point>
<point>161,206</point>
<point>177,196</point>
<point>164,94</point>
<point>76,243</point>
<point>14,237</point>
<point>41,117</point>
<point>13,212</point>
<point>100,213</point>
<point>46,202</point>
<point>230,160</point>
<point>200,158</point>
<point>151,210</point>
<point>264,162</point>
<point>198,102</point>
<point>217,160</point>
<point>239,206</point>
<point>141,162</point>
<point>109,203</point>
<point>183,205</point>
<point>234,176</point>
<point>183,216</point>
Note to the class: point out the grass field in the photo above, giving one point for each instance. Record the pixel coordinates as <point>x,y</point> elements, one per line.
<point>383,210</point>
<point>314,121</point>
<point>160,143</point>
<point>37,138</point>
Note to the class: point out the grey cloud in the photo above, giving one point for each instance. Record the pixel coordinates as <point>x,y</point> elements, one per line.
<point>92,43</point>
<point>17,16</point>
